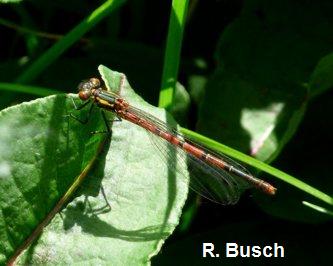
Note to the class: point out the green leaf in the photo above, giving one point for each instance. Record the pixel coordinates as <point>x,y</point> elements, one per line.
<point>145,196</point>
<point>321,79</point>
<point>196,87</point>
<point>250,117</point>
<point>181,104</point>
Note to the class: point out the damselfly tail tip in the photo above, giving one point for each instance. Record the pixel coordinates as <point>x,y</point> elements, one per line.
<point>262,185</point>
<point>269,189</point>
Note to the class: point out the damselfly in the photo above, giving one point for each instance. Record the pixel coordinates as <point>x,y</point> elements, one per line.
<point>213,175</point>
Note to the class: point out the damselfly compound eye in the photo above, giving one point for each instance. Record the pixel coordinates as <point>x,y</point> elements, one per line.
<point>95,82</point>
<point>89,84</point>
<point>86,88</point>
<point>84,94</point>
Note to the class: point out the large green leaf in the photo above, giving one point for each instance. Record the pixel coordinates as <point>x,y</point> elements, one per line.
<point>41,153</point>
<point>145,198</point>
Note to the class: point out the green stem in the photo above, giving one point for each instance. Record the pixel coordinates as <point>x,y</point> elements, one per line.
<point>172,52</point>
<point>61,46</point>
<point>259,165</point>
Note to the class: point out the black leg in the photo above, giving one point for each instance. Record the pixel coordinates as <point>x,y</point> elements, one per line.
<point>104,209</point>
<point>80,107</point>
<point>108,129</point>
<point>107,207</point>
<point>84,121</point>
<point>106,122</point>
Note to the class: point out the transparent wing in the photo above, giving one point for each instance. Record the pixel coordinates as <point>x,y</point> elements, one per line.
<point>208,180</point>
<point>162,125</point>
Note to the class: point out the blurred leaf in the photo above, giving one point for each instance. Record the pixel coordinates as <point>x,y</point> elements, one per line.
<point>263,68</point>
<point>249,117</point>
<point>322,77</point>
<point>196,87</point>
<point>10,1</point>
<point>181,104</point>
<point>257,96</point>
<point>145,204</point>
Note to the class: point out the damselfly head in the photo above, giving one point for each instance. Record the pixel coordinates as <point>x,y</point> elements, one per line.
<point>86,88</point>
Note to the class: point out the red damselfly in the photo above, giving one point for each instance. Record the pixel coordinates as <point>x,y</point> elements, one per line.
<point>213,175</point>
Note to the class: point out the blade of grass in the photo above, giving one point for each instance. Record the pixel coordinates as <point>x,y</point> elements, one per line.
<point>34,90</point>
<point>259,165</point>
<point>172,52</point>
<point>70,38</point>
